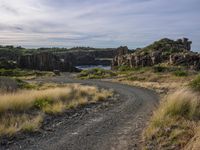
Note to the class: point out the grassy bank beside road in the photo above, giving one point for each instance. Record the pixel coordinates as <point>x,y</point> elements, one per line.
<point>24,110</point>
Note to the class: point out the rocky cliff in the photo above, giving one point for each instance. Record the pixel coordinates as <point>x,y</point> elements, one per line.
<point>62,59</point>
<point>65,60</point>
<point>46,61</point>
<point>163,51</point>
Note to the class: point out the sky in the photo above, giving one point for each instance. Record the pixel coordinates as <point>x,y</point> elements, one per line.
<point>97,23</point>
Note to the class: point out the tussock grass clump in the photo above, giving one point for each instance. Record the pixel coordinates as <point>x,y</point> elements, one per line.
<point>182,103</point>
<point>175,120</point>
<point>17,110</point>
<point>11,123</point>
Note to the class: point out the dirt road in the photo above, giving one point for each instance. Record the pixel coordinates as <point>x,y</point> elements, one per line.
<point>112,125</point>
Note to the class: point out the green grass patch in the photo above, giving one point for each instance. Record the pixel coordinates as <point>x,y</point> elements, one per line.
<point>42,102</point>
<point>180,73</point>
<point>124,68</point>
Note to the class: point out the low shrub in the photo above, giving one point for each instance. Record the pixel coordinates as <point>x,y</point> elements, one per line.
<point>195,84</point>
<point>42,102</point>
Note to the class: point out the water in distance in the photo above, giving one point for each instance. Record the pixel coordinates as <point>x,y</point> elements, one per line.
<point>86,67</point>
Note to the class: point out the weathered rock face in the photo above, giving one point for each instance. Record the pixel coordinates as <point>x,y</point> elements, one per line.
<point>166,50</point>
<point>100,57</point>
<point>46,62</point>
<point>120,58</point>
<point>133,60</point>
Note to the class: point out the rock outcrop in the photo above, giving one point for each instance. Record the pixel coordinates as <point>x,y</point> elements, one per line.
<point>163,51</point>
<point>191,60</point>
<point>46,62</point>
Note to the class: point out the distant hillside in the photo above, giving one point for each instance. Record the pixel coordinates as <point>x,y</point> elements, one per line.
<point>12,52</point>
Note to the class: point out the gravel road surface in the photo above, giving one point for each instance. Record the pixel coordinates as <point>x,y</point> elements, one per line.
<point>115,124</point>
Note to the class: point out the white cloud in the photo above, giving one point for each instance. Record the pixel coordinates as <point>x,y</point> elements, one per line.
<point>98,23</point>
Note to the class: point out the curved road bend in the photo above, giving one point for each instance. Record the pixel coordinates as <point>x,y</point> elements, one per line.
<point>116,128</point>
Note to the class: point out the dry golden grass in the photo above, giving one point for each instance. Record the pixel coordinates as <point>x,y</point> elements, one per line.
<point>16,108</point>
<point>175,121</point>
<point>24,100</point>
<point>194,143</point>
<point>162,83</point>
<point>56,108</point>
